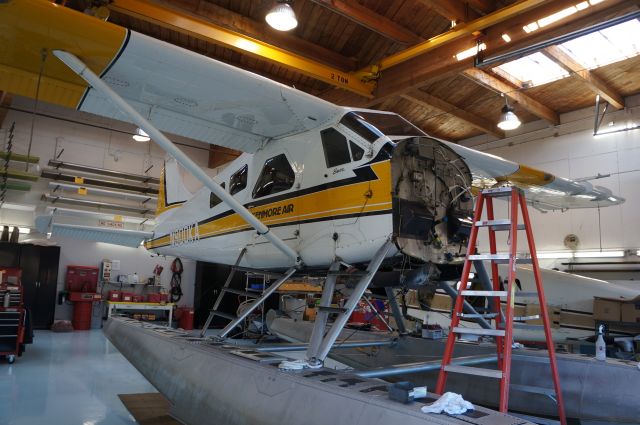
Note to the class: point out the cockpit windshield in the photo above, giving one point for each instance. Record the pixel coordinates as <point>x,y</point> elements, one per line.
<point>371,125</point>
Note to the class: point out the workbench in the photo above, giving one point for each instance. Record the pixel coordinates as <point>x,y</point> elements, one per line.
<point>121,305</point>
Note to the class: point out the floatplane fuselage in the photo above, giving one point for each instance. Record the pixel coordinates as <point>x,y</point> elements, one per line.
<point>337,192</point>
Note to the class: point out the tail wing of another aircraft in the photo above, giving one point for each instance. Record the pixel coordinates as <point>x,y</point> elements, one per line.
<point>47,224</point>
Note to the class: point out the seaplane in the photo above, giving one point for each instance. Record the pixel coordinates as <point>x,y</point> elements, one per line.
<point>318,187</point>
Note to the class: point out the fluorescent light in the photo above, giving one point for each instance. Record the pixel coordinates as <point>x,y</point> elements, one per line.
<point>558,16</point>
<point>506,37</point>
<point>282,17</point>
<point>470,52</point>
<point>554,255</point>
<point>599,254</point>
<point>141,136</point>
<point>638,253</point>
<point>580,254</point>
<point>22,230</point>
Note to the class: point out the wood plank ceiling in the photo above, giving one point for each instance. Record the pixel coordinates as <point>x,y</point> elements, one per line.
<point>448,98</point>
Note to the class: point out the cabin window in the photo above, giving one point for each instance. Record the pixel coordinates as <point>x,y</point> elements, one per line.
<point>276,176</point>
<point>336,150</point>
<point>238,180</point>
<point>356,151</point>
<point>213,198</point>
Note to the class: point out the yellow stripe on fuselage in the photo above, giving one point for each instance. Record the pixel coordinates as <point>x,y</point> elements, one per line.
<point>357,198</point>
<point>27,27</point>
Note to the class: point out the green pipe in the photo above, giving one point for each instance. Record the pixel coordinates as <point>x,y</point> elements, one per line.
<point>19,157</point>
<point>11,185</point>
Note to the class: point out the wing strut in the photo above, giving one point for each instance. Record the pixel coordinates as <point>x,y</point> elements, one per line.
<point>77,66</point>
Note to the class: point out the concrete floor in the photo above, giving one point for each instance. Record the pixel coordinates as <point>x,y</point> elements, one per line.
<point>68,379</point>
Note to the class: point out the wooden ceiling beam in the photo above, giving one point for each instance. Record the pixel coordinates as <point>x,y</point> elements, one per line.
<point>261,31</point>
<point>526,102</point>
<point>369,19</point>
<point>453,10</point>
<point>596,84</point>
<point>441,62</point>
<point>483,6</point>
<point>219,155</point>
<point>5,103</point>
<point>421,98</point>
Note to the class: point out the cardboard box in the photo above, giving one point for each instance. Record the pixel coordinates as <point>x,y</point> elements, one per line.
<point>607,309</point>
<point>631,311</point>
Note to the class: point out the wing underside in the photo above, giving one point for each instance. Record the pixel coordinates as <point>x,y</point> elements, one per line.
<point>543,190</point>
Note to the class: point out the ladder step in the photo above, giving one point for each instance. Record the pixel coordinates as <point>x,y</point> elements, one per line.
<point>501,224</point>
<point>528,327</point>
<point>468,293</point>
<point>224,315</point>
<point>525,318</point>
<point>242,293</point>
<point>476,331</point>
<point>532,389</point>
<point>498,191</point>
<point>500,258</point>
<point>468,370</point>
<point>523,294</point>
<point>478,315</point>
<point>332,310</point>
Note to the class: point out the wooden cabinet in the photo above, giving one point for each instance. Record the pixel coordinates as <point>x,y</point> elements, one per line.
<point>39,278</point>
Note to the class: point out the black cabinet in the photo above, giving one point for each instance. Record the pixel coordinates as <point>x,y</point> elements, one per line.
<point>39,278</point>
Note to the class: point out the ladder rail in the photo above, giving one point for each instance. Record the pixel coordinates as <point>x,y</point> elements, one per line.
<point>508,337</point>
<point>455,320</point>
<point>504,318</point>
<point>543,311</point>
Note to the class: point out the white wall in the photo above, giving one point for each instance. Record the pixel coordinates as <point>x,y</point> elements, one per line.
<point>103,148</point>
<point>571,150</point>
<point>132,260</point>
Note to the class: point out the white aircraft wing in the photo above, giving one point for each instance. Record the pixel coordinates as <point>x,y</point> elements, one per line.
<point>179,91</point>
<point>543,190</point>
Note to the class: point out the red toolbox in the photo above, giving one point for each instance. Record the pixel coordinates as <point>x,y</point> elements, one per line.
<point>82,278</point>
<point>127,297</point>
<point>115,296</point>
<point>137,298</point>
<point>157,298</point>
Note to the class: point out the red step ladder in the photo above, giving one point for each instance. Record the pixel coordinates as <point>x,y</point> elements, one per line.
<point>503,331</point>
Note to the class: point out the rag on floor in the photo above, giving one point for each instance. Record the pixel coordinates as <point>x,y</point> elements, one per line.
<point>450,403</point>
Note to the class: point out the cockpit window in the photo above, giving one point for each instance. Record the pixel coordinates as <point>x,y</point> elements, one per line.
<point>371,126</point>
<point>356,151</point>
<point>276,176</point>
<point>238,180</point>
<point>213,198</point>
<point>336,150</point>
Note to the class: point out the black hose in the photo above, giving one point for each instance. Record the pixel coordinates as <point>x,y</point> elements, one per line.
<point>176,280</point>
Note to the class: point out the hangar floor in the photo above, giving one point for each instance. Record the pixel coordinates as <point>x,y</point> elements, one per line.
<point>68,378</point>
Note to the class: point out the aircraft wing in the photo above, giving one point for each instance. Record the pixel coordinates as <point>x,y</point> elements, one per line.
<point>543,190</point>
<point>179,91</point>
<point>125,237</point>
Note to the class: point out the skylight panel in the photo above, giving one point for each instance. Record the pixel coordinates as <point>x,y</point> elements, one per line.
<point>604,47</point>
<point>534,70</point>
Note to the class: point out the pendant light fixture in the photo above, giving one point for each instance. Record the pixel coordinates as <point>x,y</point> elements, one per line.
<point>141,136</point>
<point>282,17</point>
<point>508,119</point>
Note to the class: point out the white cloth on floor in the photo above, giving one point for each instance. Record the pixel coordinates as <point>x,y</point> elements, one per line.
<point>297,365</point>
<point>450,403</point>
